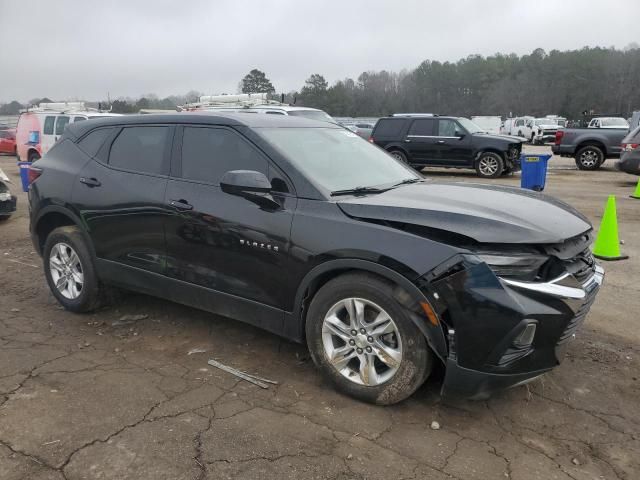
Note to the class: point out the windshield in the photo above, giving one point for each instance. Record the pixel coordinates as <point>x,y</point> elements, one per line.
<point>614,122</point>
<point>313,115</point>
<point>336,159</point>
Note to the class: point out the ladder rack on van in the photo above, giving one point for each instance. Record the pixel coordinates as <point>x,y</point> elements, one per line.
<point>244,100</point>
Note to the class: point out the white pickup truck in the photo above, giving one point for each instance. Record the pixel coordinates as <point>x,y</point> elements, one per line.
<point>540,130</point>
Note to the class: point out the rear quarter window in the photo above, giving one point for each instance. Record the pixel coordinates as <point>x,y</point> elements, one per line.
<point>389,127</point>
<point>92,142</point>
<point>49,122</point>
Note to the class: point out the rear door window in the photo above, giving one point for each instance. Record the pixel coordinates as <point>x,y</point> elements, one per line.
<point>141,149</point>
<point>49,122</point>
<point>209,153</point>
<point>422,127</point>
<point>61,122</point>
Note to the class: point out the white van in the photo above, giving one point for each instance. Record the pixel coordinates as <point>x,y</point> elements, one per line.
<point>255,103</point>
<point>515,126</point>
<point>40,127</point>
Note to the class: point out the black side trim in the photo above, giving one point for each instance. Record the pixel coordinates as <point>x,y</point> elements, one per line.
<point>219,303</point>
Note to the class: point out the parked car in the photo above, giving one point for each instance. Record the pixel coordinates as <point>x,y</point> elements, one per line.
<point>630,159</point>
<point>634,121</point>
<point>7,200</point>
<point>8,141</point>
<point>306,230</point>
<point>39,128</point>
<point>540,130</point>
<point>490,124</point>
<point>589,146</point>
<point>454,142</point>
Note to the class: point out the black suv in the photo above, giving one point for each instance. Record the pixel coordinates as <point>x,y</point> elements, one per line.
<point>307,230</point>
<point>423,140</point>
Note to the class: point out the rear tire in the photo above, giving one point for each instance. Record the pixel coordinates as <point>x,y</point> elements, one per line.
<point>589,158</point>
<point>69,270</point>
<point>399,155</point>
<point>489,165</point>
<point>385,364</point>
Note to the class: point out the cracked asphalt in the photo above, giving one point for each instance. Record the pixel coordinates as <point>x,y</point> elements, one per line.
<point>98,397</point>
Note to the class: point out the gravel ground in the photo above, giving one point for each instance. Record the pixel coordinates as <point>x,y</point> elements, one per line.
<point>111,396</point>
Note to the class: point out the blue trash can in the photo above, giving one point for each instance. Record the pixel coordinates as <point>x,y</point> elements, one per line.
<point>534,171</point>
<point>24,175</point>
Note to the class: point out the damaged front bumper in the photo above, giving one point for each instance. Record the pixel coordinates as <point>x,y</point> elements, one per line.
<point>502,332</point>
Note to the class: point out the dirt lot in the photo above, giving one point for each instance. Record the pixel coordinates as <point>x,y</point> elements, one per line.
<point>103,397</point>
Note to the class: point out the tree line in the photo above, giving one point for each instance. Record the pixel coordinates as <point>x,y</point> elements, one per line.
<point>568,83</point>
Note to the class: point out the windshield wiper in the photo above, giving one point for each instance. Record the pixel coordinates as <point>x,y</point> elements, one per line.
<point>407,181</point>
<point>356,190</point>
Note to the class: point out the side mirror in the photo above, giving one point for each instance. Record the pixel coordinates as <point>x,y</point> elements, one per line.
<point>460,135</point>
<point>238,182</point>
<point>252,185</point>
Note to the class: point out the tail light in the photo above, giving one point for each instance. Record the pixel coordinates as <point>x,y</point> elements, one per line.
<point>34,173</point>
<point>371,139</point>
<point>559,135</point>
<point>627,147</point>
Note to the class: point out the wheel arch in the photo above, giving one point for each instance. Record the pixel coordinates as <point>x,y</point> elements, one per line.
<point>591,143</point>
<point>397,146</point>
<point>52,217</point>
<point>495,150</point>
<point>323,273</point>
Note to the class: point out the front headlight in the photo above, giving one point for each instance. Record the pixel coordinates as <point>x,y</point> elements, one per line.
<point>521,266</point>
<point>5,196</point>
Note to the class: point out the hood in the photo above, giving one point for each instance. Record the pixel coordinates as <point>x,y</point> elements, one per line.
<point>510,138</point>
<point>549,126</point>
<point>485,213</point>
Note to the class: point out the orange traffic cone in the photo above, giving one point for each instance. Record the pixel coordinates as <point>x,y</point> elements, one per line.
<point>607,245</point>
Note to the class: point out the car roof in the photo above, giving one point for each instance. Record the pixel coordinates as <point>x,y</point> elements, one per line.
<point>245,119</point>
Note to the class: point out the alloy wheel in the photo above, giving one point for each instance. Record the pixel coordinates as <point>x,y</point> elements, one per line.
<point>361,341</point>
<point>589,158</point>
<point>66,271</point>
<point>488,166</point>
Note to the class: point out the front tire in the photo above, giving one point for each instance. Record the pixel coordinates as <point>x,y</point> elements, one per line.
<point>364,342</point>
<point>489,165</point>
<point>589,158</point>
<point>69,270</point>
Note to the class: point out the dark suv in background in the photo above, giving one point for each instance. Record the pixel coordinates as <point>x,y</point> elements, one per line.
<point>305,229</point>
<point>430,140</point>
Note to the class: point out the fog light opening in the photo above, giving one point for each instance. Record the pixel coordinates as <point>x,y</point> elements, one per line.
<point>525,338</point>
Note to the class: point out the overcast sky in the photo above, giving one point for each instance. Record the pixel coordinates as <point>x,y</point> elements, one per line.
<point>70,49</point>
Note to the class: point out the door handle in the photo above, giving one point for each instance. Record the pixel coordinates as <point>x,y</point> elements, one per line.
<point>440,142</point>
<point>407,140</point>
<point>90,182</point>
<point>181,204</point>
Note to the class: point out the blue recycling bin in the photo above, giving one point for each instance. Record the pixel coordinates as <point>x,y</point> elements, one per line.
<point>24,175</point>
<point>534,171</point>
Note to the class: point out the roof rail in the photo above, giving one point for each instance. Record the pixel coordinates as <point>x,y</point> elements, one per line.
<point>414,115</point>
